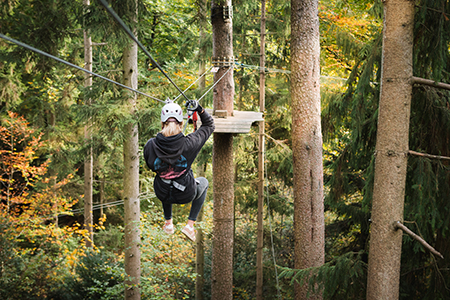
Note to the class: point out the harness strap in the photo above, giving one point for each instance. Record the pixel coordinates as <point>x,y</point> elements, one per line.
<point>174,184</point>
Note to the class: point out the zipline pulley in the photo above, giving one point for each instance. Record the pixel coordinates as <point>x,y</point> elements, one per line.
<point>191,106</point>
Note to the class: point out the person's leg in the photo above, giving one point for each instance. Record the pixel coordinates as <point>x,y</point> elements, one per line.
<point>168,226</point>
<point>197,203</point>
<point>167,208</point>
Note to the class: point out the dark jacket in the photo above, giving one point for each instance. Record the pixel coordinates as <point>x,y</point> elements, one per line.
<point>171,158</point>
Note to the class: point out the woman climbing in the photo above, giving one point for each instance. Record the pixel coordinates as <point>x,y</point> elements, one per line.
<point>170,154</point>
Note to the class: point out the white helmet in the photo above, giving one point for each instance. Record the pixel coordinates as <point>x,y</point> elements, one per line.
<point>171,110</point>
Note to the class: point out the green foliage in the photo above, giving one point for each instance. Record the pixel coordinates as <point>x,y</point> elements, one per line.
<point>98,275</point>
<point>244,258</point>
<point>167,261</point>
<point>341,278</point>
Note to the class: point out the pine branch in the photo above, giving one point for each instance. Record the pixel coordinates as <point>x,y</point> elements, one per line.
<point>429,82</point>
<point>399,225</point>
<point>428,155</point>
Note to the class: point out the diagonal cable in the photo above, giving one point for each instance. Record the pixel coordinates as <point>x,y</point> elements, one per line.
<point>128,31</point>
<point>229,68</point>
<point>73,65</point>
<point>194,82</point>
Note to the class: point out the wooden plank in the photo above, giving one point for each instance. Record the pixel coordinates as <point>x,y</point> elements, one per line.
<point>240,122</point>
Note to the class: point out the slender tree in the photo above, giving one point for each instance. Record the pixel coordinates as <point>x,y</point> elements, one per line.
<point>261,146</point>
<point>391,150</point>
<point>131,169</point>
<point>88,162</point>
<point>306,140</point>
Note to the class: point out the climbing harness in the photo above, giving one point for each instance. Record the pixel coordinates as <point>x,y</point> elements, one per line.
<point>174,184</point>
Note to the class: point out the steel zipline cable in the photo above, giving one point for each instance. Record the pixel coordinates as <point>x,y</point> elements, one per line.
<point>229,68</point>
<point>73,65</point>
<point>128,31</point>
<point>193,83</point>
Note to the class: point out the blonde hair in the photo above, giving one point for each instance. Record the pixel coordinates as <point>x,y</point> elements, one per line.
<point>171,128</point>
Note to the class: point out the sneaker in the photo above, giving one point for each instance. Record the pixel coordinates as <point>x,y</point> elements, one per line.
<point>189,232</point>
<point>168,229</point>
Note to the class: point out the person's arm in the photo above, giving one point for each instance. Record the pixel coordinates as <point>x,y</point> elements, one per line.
<point>148,154</point>
<point>197,139</point>
<point>207,120</point>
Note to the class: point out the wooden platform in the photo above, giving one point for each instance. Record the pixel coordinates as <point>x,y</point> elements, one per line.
<point>240,122</point>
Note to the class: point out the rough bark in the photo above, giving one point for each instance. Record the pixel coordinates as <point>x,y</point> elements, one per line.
<point>223,92</point>
<point>391,151</point>
<point>131,176</point>
<point>223,167</point>
<point>88,162</point>
<point>307,140</point>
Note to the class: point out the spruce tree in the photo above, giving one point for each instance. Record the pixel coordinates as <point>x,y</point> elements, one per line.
<point>352,115</point>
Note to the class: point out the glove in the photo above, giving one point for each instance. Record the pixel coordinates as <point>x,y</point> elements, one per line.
<point>193,105</point>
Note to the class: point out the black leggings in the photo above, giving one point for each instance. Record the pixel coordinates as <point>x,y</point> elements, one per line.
<point>197,202</point>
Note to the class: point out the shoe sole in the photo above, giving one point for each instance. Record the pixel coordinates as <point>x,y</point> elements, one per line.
<point>188,235</point>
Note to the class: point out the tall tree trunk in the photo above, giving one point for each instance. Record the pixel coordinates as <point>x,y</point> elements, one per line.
<point>306,140</point>
<point>88,162</point>
<point>262,90</point>
<point>131,172</point>
<point>223,167</point>
<point>391,150</point>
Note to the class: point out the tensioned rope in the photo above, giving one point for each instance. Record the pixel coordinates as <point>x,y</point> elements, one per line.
<point>193,82</point>
<point>131,35</point>
<point>215,83</point>
<point>74,66</point>
<point>273,70</point>
<point>128,31</point>
<point>231,67</point>
<point>14,41</point>
<point>106,205</point>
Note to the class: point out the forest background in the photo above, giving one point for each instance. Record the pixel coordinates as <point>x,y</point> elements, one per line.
<point>43,252</point>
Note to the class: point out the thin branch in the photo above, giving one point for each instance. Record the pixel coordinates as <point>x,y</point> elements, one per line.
<point>429,82</point>
<point>278,142</point>
<point>428,155</point>
<point>399,225</point>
